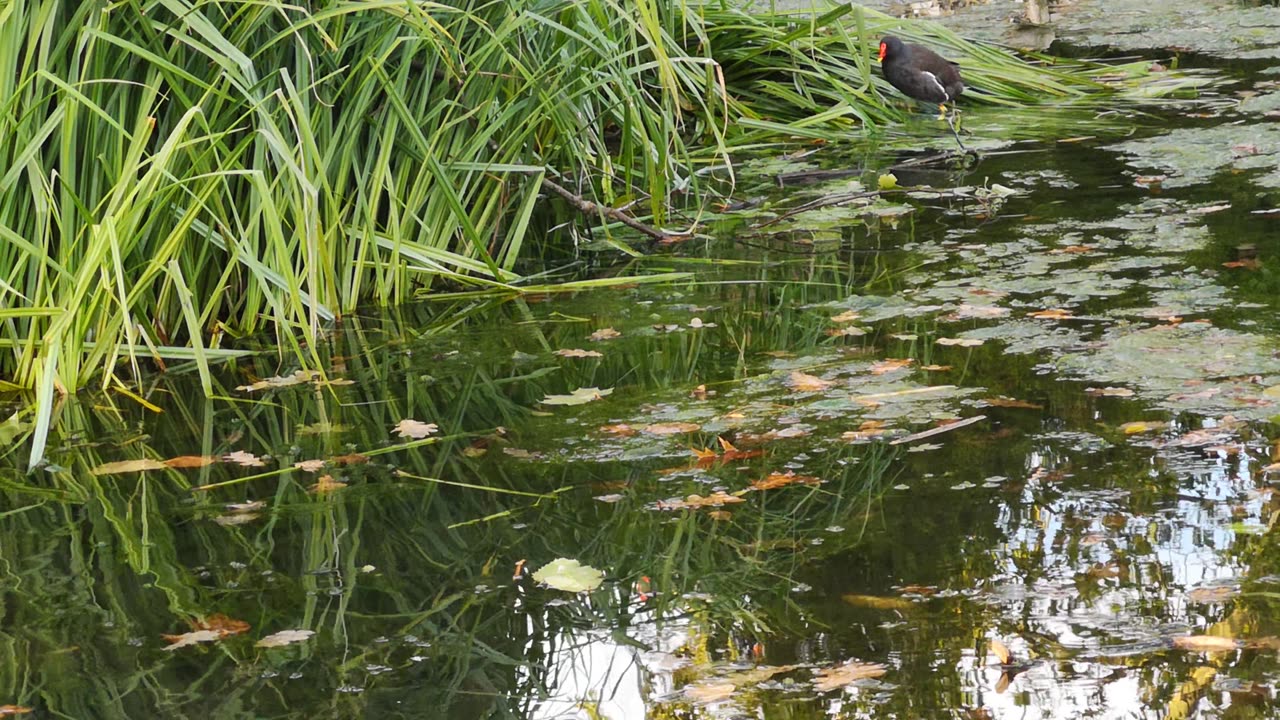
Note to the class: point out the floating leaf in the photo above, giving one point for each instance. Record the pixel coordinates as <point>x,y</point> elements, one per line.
<point>1000,650</point>
<point>297,378</point>
<point>1110,392</point>
<point>1053,314</point>
<point>777,480</point>
<point>569,575</point>
<point>846,317</point>
<point>326,484</point>
<point>804,382</point>
<point>190,461</point>
<point>127,466</point>
<point>604,334</point>
<point>1140,426</point>
<point>1005,402</point>
<point>709,692</point>
<point>877,602</point>
<point>672,428</point>
<point>240,457</point>
<point>887,366</point>
<point>621,430</point>
<point>349,459</point>
<point>581,396</point>
<point>1205,643</point>
<point>693,502</point>
<point>284,637</point>
<point>239,518</point>
<point>960,342</point>
<point>190,638</point>
<point>576,353</point>
<point>852,671</point>
<point>221,624</point>
<point>416,429</point>
<point>1214,594</point>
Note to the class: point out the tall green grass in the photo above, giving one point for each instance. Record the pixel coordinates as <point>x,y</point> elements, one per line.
<point>179,172</point>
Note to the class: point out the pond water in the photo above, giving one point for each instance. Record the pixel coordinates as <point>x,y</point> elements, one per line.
<point>1000,444</point>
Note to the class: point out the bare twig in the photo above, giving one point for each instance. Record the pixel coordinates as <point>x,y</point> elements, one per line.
<point>588,207</point>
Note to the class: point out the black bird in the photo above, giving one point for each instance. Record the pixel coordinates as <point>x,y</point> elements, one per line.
<point>922,74</point>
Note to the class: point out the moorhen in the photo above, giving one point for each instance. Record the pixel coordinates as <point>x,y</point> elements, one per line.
<point>921,74</point>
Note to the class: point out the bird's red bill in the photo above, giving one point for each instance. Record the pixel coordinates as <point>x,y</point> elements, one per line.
<point>882,51</point>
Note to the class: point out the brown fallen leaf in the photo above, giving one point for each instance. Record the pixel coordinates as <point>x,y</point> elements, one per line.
<point>777,480</point>
<point>1205,643</point>
<point>326,484</point>
<point>604,334</point>
<point>804,382</point>
<point>1005,402</point>
<point>190,638</point>
<point>1051,314</point>
<point>309,465</point>
<point>1248,264</point>
<point>847,316</point>
<point>889,365</point>
<point>284,637</point>
<point>349,459</point>
<point>672,428</point>
<point>1000,650</point>
<point>190,461</point>
<point>14,710</point>
<point>693,502</point>
<point>877,602</point>
<point>416,429</point>
<point>841,675</point>
<point>128,466</point>
<point>960,342</point>
<point>848,331</point>
<point>576,353</point>
<point>1109,392</point>
<point>244,459</point>
<point>221,624</point>
<point>621,430</point>
<point>709,692</point>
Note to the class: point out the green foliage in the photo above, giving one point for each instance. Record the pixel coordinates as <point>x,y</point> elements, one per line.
<point>180,172</point>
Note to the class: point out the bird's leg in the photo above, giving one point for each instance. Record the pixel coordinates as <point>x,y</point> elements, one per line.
<point>955,134</point>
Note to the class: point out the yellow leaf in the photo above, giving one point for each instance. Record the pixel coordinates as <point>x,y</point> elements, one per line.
<point>1001,651</point>
<point>127,466</point>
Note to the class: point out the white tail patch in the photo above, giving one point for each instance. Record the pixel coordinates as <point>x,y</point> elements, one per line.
<point>938,83</point>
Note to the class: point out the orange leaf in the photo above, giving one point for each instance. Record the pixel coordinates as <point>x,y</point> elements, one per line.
<point>189,461</point>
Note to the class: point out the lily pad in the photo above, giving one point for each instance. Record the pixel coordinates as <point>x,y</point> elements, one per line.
<point>569,575</point>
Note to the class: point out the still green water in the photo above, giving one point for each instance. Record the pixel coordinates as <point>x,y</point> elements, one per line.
<point>1108,496</point>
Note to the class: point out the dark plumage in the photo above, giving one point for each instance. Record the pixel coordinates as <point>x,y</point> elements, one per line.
<point>920,73</point>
